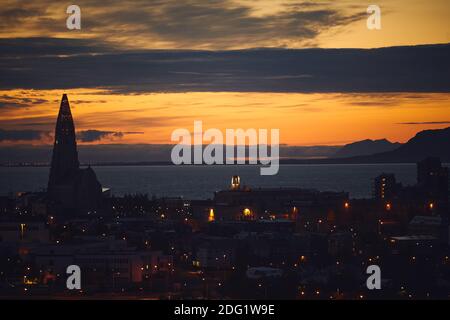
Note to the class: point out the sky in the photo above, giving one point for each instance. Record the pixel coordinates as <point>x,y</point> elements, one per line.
<point>137,70</point>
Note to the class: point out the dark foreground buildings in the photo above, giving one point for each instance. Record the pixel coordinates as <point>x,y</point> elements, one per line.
<point>71,190</point>
<point>433,182</point>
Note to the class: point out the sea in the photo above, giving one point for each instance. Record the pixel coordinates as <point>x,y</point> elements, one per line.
<point>200,182</point>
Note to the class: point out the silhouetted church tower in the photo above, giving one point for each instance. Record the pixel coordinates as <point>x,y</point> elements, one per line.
<point>65,163</point>
<point>70,189</point>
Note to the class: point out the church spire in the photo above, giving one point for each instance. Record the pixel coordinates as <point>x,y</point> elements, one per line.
<point>65,156</point>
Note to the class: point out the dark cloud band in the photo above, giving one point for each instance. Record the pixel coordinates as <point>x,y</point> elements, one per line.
<point>396,69</point>
<point>22,135</point>
<point>97,135</point>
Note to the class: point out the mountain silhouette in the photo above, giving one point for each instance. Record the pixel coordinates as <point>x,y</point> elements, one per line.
<point>427,143</point>
<point>365,147</point>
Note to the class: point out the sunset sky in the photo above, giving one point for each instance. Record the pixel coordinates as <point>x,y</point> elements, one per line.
<point>137,70</point>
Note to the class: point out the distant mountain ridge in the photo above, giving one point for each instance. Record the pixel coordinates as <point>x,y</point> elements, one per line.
<point>366,147</point>
<point>427,143</point>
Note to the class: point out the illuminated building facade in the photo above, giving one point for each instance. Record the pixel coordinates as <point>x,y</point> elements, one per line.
<point>269,203</point>
<point>235,183</point>
<point>24,232</point>
<point>385,187</point>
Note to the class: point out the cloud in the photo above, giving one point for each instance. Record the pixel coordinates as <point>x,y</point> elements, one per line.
<point>425,122</point>
<point>7,101</point>
<point>397,69</point>
<point>14,16</point>
<point>52,47</point>
<point>76,102</point>
<point>97,135</point>
<point>22,135</point>
<point>199,24</point>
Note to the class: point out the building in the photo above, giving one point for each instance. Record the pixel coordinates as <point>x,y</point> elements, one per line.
<point>105,264</point>
<point>385,187</point>
<point>24,232</point>
<point>425,225</point>
<point>122,268</point>
<point>340,244</point>
<point>214,252</point>
<point>246,203</point>
<point>235,183</point>
<point>432,179</point>
<point>6,204</point>
<point>413,244</point>
<point>264,272</point>
<point>70,188</point>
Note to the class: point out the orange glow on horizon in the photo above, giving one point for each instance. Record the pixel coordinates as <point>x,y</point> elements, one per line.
<point>303,119</point>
